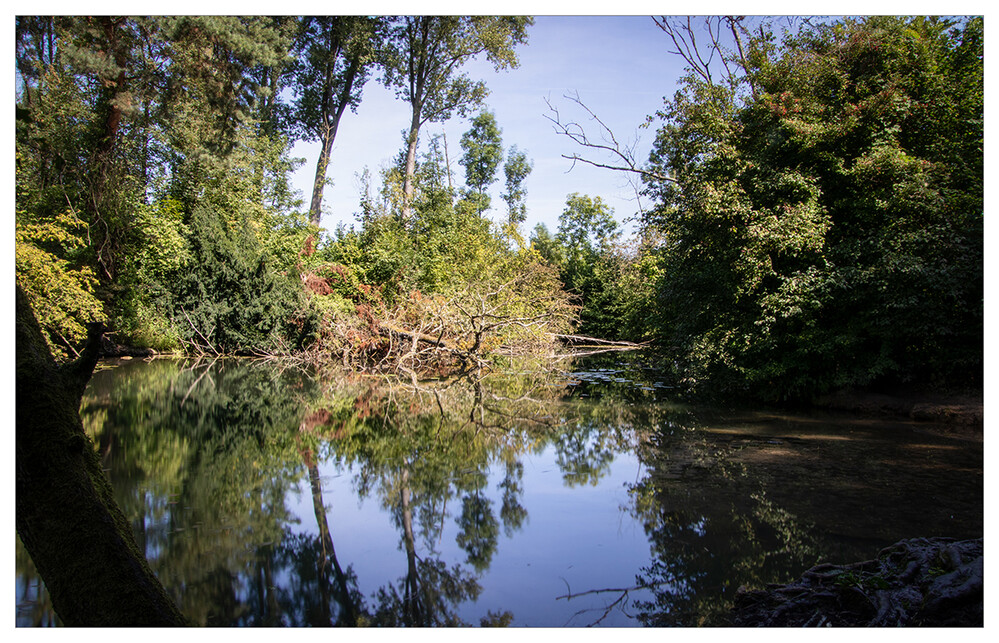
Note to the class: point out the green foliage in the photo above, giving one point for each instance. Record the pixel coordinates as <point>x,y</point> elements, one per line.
<point>422,59</point>
<point>608,281</point>
<point>60,291</point>
<point>426,52</point>
<point>826,231</point>
<point>131,151</point>
<point>333,60</point>
<point>453,244</point>
<point>160,255</point>
<point>230,299</point>
<point>516,169</point>
<point>446,272</point>
<point>546,246</point>
<point>586,232</point>
<point>444,245</point>
<point>483,150</point>
<point>325,49</point>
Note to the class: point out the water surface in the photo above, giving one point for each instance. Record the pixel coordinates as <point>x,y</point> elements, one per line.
<point>574,496</point>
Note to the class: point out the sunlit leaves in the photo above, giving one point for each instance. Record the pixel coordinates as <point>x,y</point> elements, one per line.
<point>483,149</point>
<point>516,169</point>
<point>61,292</point>
<point>801,220</point>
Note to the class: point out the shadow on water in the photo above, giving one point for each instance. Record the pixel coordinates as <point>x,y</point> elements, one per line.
<point>556,496</point>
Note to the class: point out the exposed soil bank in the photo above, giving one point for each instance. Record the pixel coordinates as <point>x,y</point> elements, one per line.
<point>966,408</point>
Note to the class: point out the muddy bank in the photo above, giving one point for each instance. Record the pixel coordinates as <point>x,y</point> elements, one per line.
<point>960,409</point>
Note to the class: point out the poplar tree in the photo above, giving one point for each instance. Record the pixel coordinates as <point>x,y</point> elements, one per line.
<point>516,169</point>
<point>483,150</point>
<point>423,63</point>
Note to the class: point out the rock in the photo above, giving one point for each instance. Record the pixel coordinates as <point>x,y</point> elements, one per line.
<point>930,582</point>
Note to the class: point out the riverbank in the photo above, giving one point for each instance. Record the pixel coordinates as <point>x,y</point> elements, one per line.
<point>927,582</point>
<point>964,409</point>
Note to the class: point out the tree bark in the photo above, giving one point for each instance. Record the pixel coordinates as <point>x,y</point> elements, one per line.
<point>331,125</point>
<point>66,515</point>
<point>407,186</point>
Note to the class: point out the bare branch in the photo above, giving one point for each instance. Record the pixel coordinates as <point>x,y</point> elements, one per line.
<point>700,57</point>
<point>608,144</point>
<point>685,42</point>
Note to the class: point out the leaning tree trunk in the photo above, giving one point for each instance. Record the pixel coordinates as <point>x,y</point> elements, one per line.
<point>66,516</point>
<point>328,135</point>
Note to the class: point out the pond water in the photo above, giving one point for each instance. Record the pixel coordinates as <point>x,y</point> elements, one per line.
<point>570,496</point>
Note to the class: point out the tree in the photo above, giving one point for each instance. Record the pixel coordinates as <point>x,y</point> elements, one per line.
<point>516,169</point>
<point>586,227</point>
<point>587,234</point>
<point>423,63</point>
<point>60,289</point>
<point>824,229</point>
<point>66,516</point>
<point>230,299</point>
<point>121,119</point>
<point>483,151</point>
<point>334,55</point>
<point>585,251</point>
<point>211,98</point>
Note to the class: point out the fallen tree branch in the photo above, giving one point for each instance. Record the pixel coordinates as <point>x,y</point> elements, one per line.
<point>597,340</point>
<point>414,335</point>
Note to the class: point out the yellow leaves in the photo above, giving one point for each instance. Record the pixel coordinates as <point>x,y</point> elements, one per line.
<point>64,230</point>
<point>61,296</point>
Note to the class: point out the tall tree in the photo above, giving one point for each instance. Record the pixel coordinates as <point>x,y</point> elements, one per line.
<point>212,91</point>
<point>516,169</point>
<point>825,229</point>
<point>483,150</point>
<point>587,233</point>
<point>333,61</point>
<point>424,61</point>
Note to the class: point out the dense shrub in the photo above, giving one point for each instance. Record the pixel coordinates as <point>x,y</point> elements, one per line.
<point>229,299</point>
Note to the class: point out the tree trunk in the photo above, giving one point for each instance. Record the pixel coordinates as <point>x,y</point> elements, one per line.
<point>407,186</point>
<point>112,122</point>
<point>315,206</point>
<point>412,605</point>
<point>66,515</point>
<point>327,138</point>
<point>348,614</point>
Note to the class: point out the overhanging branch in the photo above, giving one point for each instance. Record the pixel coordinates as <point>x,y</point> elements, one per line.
<point>624,157</point>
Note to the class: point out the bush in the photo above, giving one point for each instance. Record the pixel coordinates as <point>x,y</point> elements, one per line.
<point>229,300</point>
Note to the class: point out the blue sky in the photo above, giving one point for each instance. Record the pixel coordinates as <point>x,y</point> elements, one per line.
<point>620,68</point>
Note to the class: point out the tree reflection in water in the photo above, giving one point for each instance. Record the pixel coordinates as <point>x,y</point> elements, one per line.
<point>208,459</point>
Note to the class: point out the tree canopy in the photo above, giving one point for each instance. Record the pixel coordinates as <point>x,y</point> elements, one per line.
<point>823,224</point>
<point>816,195</point>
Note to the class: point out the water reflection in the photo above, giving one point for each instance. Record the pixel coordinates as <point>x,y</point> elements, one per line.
<point>267,496</point>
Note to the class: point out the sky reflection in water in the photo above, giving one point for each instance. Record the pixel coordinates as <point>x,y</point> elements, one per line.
<point>580,497</point>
